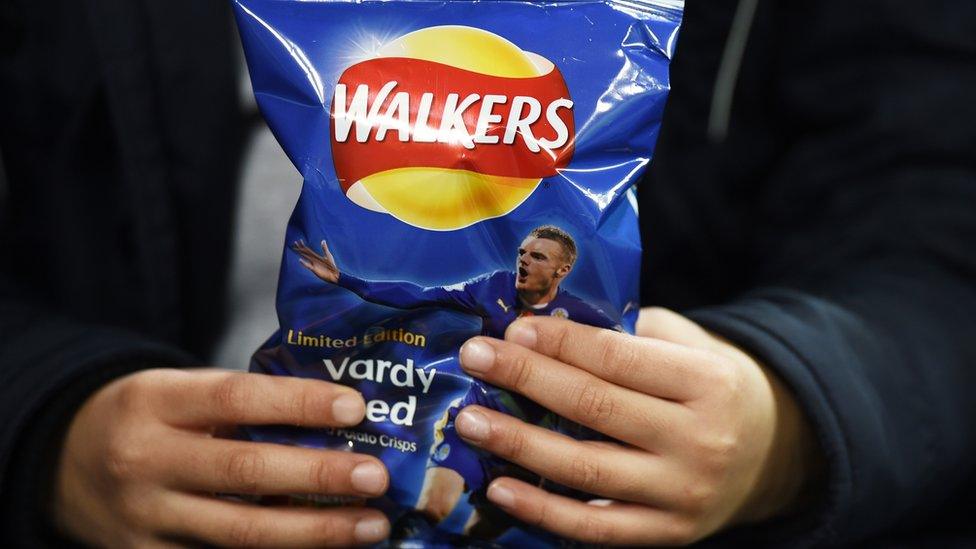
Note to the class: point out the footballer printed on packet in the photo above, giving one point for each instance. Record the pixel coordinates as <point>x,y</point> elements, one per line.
<point>465,164</point>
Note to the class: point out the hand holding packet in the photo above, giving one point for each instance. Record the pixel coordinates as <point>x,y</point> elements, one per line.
<point>465,164</point>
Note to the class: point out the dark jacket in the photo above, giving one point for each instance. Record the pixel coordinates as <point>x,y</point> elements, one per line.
<point>814,203</point>
<point>829,228</point>
<point>120,136</point>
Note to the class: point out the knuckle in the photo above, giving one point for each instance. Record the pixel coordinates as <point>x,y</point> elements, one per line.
<point>321,476</point>
<point>611,351</point>
<point>718,451</point>
<point>541,517</point>
<point>558,335</point>
<point>124,458</point>
<point>515,448</point>
<point>520,371</point>
<point>232,395</point>
<point>299,407</point>
<point>245,533</point>
<point>594,529</point>
<point>310,404</point>
<point>621,360</point>
<point>336,531</point>
<point>133,393</point>
<point>244,469</point>
<point>627,367</point>
<point>699,497</point>
<point>592,404</point>
<point>585,474</point>
<point>725,446</point>
<point>725,378</point>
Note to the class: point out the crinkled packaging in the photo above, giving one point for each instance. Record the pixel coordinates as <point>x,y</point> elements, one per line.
<point>465,164</point>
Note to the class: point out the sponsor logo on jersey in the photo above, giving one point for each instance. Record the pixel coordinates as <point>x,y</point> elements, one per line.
<point>442,452</point>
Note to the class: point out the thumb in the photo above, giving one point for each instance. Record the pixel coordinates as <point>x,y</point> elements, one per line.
<point>325,249</point>
<point>661,323</point>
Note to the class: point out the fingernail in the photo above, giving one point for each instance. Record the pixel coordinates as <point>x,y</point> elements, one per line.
<point>522,333</point>
<point>348,409</point>
<point>473,425</point>
<point>600,502</point>
<point>370,530</point>
<point>369,478</point>
<point>477,356</point>
<point>501,496</point>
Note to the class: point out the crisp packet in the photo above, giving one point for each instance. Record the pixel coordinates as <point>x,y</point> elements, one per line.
<point>465,164</point>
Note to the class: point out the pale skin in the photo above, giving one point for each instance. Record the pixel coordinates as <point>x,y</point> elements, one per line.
<point>712,440</point>
<point>140,464</point>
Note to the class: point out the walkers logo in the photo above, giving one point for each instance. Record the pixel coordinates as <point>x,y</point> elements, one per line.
<point>449,126</point>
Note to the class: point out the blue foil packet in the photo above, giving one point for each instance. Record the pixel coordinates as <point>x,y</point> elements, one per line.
<point>465,164</point>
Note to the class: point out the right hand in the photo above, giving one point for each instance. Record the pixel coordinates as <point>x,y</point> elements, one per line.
<point>322,266</point>
<point>140,464</point>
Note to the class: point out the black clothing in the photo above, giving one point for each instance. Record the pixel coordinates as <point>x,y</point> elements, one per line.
<point>120,137</point>
<point>829,229</point>
<point>832,234</point>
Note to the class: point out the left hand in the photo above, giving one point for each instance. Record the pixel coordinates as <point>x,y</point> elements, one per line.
<point>709,438</point>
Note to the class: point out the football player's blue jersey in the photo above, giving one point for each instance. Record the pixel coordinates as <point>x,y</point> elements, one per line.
<point>492,297</point>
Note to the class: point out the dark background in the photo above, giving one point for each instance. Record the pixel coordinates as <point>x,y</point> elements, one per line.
<point>813,201</point>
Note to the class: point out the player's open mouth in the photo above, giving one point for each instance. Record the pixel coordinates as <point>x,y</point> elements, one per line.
<point>522,272</point>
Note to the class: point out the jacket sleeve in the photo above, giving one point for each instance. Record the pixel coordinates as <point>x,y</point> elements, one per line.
<point>119,134</point>
<point>49,365</point>
<point>866,287</point>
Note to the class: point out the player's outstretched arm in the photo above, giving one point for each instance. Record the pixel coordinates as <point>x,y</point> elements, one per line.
<point>398,294</point>
<point>140,464</point>
<point>322,266</point>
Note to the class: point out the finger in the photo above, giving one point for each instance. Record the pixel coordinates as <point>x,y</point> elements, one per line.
<point>667,325</point>
<point>307,253</point>
<point>326,254</point>
<point>303,252</point>
<point>233,524</point>
<point>650,366</point>
<point>573,393</point>
<point>305,263</point>
<point>235,467</point>
<point>614,523</point>
<point>619,473</point>
<point>299,246</point>
<point>215,397</point>
<point>661,323</point>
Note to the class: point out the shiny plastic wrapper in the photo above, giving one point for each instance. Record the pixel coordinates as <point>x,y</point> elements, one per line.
<point>465,164</point>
